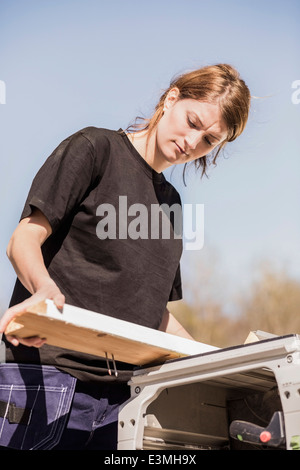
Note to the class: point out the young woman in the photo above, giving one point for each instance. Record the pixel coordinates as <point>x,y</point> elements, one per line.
<point>58,253</point>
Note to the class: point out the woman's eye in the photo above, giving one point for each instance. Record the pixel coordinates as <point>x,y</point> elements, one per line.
<point>208,141</point>
<point>191,123</point>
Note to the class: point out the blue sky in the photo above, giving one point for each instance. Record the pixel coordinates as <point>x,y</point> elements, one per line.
<point>69,64</point>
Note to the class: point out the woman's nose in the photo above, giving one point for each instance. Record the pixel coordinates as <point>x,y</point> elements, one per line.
<point>192,140</point>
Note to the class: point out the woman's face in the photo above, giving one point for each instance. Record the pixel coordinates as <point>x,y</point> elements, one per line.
<point>189,129</point>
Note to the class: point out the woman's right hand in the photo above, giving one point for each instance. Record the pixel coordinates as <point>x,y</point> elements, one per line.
<point>48,290</point>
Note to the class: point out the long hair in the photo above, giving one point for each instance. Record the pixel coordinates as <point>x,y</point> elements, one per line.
<point>220,84</point>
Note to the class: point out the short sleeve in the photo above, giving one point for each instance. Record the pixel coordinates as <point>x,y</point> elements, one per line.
<point>63,180</point>
<point>176,291</point>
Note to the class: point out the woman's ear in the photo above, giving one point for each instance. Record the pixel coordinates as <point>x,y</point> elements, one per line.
<point>171,98</point>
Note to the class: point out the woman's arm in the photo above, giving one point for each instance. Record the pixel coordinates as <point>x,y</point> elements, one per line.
<point>170,325</point>
<point>24,252</point>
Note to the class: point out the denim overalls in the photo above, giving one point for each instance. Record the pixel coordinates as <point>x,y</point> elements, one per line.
<point>44,408</point>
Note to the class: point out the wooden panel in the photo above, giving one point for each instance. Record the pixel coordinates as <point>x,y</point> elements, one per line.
<point>93,333</point>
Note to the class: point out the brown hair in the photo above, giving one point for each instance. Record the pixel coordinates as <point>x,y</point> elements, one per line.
<point>215,83</point>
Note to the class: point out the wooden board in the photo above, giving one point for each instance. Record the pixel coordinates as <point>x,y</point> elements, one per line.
<point>258,335</point>
<point>93,333</point>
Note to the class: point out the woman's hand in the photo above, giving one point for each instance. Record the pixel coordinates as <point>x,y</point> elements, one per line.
<point>49,290</point>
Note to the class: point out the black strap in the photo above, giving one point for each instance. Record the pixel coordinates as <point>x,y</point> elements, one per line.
<point>14,414</point>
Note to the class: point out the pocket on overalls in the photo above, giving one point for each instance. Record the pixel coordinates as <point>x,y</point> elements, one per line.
<point>34,405</point>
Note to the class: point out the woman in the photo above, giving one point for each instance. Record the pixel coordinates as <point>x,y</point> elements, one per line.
<point>59,252</point>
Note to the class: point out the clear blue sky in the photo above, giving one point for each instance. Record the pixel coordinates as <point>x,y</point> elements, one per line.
<point>68,64</point>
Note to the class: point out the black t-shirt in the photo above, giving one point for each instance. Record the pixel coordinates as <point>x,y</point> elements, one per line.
<point>93,186</point>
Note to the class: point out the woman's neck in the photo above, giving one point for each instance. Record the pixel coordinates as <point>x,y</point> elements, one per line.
<point>147,149</point>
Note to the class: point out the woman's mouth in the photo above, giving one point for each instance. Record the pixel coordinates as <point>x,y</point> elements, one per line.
<point>181,151</point>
